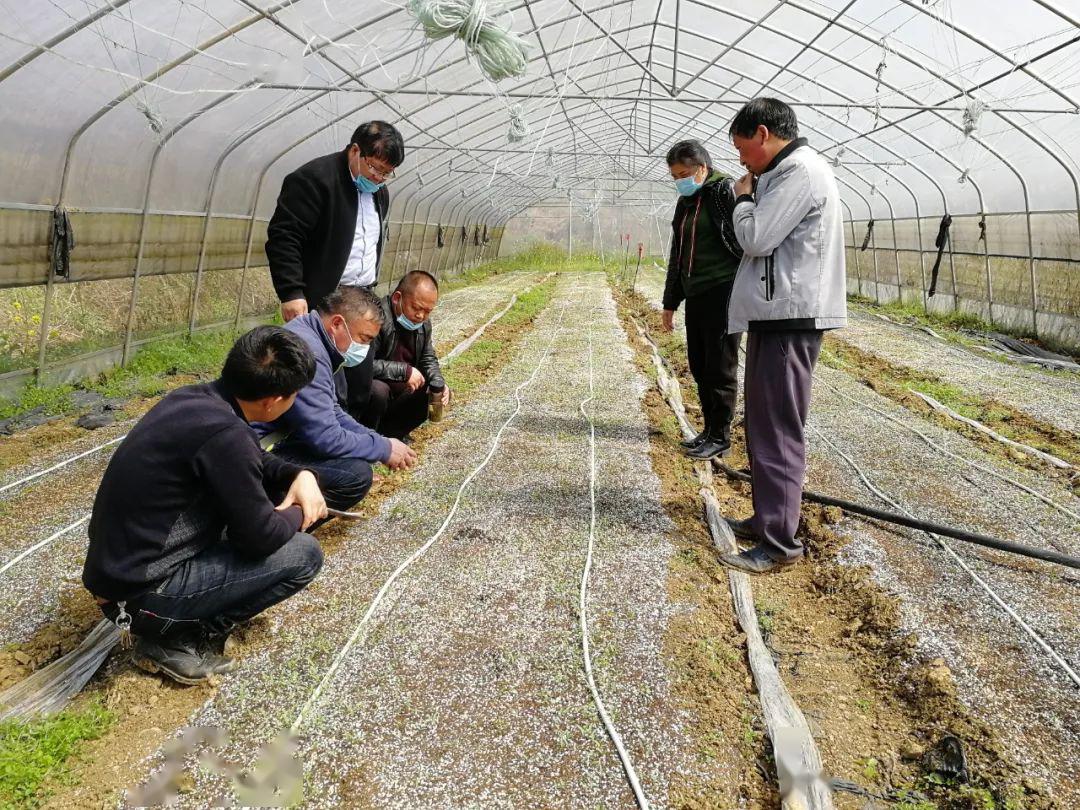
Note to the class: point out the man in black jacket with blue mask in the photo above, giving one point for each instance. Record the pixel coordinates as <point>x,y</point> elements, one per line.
<point>407,376</point>
<point>330,227</point>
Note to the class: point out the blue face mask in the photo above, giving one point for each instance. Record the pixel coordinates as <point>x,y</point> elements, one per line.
<point>404,321</point>
<point>356,353</point>
<point>365,185</point>
<point>687,186</point>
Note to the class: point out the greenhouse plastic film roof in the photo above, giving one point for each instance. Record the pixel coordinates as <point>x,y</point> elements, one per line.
<point>188,105</point>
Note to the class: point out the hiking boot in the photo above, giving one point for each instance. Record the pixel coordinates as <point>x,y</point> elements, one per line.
<point>690,444</point>
<point>755,561</point>
<point>741,529</point>
<point>710,448</point>
<point>187,660</point>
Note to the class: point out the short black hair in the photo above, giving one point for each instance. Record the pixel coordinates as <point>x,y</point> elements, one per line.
<point>380,140</point>
<point>268,361</point>
<point>352,303</point>
<point>414,278</point>
<point>773,114</point>
<point>692,153</point>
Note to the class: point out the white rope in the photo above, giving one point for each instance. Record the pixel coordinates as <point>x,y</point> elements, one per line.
<point>44,542</point>
<point>945,451</point>
<point>339,659</point>
<point>1061,662</point>
<point>499,52</point>
<point>60,465</point>
<point>609,726</point>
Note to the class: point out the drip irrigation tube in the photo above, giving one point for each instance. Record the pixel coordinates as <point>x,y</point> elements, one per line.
<point>922,525</point>
<point>451,355</point>
<point>1001,603</point>
<point>316,695</point>
<point>60,465</point>
<point>605,718</point>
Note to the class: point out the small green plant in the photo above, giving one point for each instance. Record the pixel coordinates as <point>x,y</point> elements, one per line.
<point>31,752</point>
<point>767,613</point>
<point>864,704</point>
<point>870,769</point>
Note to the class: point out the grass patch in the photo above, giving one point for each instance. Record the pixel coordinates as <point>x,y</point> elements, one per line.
<point>898,384</point>
<point>31,752</point>
<point>477,364</point>
<point>148,374</point>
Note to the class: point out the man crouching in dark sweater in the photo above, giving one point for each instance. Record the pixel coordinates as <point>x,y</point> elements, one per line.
<point>186,541</point>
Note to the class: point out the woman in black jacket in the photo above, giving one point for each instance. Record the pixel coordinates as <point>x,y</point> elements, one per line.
<point>701,270</point>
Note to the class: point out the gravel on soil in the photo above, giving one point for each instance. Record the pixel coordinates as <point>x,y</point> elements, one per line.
<point>467,689</point>
<point>1000,671</point>
<point>34,590</point>
<point>1050,397</point>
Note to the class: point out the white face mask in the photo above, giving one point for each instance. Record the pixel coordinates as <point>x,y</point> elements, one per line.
<point>356,353</point>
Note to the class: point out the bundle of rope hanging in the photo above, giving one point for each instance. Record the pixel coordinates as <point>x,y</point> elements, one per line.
<point>519,127</point>
<point>500,53</point>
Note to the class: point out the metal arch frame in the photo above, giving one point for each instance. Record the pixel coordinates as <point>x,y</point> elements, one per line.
<point>758,23</point>
<point>52,42</point>
<point>921,141</point>
<point>913,164</point>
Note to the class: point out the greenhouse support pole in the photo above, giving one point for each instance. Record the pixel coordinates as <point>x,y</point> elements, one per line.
<point>952,273</point>
<point>569,227</point>
<point>877,278</point>
<point>989,274</point>
<point>46,321</point>
<point>243,274</point>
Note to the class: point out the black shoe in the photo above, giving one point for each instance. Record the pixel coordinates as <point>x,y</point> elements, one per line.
<point>186,660</point>
<point>690,444</point>
<point>710,448</point>
<point>741,529</point>
<point>755,561</point>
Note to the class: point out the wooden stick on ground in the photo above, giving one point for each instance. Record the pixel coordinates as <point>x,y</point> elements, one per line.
<point>798,763</point>
<point>1061,464</point>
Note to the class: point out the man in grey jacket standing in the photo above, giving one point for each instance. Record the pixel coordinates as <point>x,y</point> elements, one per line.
<point>790,288</point>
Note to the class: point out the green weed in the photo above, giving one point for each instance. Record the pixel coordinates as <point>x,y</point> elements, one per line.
<point>34,751</point>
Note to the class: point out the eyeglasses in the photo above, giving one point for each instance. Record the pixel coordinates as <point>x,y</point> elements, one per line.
<point>376,171</point>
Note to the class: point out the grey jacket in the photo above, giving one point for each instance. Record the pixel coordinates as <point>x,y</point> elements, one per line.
<point>792,234</point>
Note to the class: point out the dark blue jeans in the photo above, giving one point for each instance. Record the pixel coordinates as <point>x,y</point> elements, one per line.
<point>219,588</point>
<point>344,481</point>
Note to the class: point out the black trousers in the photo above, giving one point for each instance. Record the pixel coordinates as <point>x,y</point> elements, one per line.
<point>219,588</point>
<point>713,356</point>
<point>394,416</point>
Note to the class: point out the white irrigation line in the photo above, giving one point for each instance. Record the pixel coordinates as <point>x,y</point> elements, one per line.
<point>339,659</point>
<point>1058,659</point>
<point>609,726</point>
<point>60,465</point>
<point>86,517</point>
<point>44,542</point>
<point>471,339</point>
<point>942,449</point>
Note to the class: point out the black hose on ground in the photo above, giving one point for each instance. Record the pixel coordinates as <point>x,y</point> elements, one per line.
<point>923,525</point>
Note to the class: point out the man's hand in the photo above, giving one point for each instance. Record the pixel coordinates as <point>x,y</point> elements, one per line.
<point>306,494</point>
<point>293,309</point>
<point>744,185</point>
<point>667,319</point>
<point>401,456</point>
<point>415,381</point>
<point>446,396</point>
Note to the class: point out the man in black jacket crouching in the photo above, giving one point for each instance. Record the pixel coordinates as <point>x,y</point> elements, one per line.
<point>406,371</point>
<point>195,529</point>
